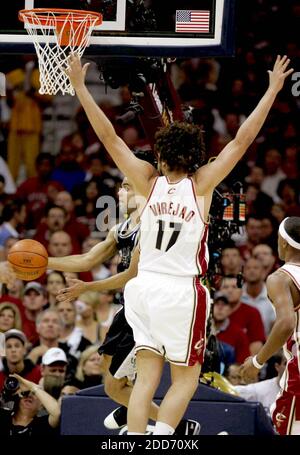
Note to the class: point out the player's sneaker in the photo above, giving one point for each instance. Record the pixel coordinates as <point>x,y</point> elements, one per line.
<point>188,427</point>
<point>116,419</point>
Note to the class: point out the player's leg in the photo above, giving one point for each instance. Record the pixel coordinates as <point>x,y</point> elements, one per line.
<point>185,381</point>
<point>119,388</point>
<point>149,371</point>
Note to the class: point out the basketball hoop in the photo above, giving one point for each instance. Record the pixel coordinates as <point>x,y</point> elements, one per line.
<point>56,33</point>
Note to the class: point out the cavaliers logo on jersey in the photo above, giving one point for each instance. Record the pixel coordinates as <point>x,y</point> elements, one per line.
<point>171,190</point>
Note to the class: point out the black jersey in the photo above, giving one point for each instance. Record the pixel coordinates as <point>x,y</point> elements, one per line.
<point>119,342</point>
<point>126,242</point>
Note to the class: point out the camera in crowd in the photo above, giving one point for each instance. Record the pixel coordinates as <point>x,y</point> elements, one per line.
<point>10,387</point>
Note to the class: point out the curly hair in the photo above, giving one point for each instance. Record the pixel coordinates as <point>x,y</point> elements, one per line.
<point>181,146</point>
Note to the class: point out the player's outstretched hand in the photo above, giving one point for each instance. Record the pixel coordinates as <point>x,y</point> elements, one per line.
<point>248,371</point>
<point>75,71</point>
<point>7,274</point>
<point>76,287</point>
<point>279,73</point>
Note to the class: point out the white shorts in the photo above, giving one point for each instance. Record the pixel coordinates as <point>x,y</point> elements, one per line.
<point>168,315</point>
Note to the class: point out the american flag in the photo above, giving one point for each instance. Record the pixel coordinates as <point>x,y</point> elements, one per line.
<point>192,21</point>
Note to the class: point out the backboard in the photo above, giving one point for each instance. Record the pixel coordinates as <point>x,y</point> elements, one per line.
<point>138,28</point>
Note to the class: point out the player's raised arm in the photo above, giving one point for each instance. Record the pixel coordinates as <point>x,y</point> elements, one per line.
<point>85,262</point>
<point>138,171</point>
<point>210,175</point>
<point>77,287</point>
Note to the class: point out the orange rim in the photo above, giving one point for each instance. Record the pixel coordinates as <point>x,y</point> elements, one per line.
<point>60,15</point>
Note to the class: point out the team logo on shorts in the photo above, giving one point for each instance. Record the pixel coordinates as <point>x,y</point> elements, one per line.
<point>280,418</point>
<point>198,346</point>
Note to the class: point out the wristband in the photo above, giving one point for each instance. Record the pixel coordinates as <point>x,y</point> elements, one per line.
<point>256,363</point>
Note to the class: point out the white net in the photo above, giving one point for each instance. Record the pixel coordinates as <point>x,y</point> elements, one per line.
<point>55,37</point>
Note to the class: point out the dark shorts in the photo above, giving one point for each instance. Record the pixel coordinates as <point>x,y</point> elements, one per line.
<point>119,344</point>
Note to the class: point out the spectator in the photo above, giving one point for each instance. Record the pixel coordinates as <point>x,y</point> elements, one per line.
<point>256,176</point>
<point>255,292</point>
<point>273,173</point>
<point>86,305</point>
<point>231,260</point>
<point>4,197</point>
<point>288,191</point>
<point>265,255</point>
<point>291,162</point>
<point>87,208</point>
<point>278,212</point>
<point>269,231</point>
<point>24,419</point>
<point>97,166</point>
<point>243,315</point>
<point>232,373</point>
<point>264,392</point>
<point>26,119</point>
<point>253,236</point>
<point>60,245</point>
<point>10,317</point>
<point>13,216</point>
<point>55,282</point>
<point>227,331</point>
<point>258,203</point>
<point>90,369</point>
<point>48,327</point>
<point>9,184</point>
<point>54,371</point>
<point>15,361</point>
<point>55,221</point>
<point>16,290</point>
<point>34,300</point>
<point>68,389</point>
<point>68,172</point>
<point>35,189</point>
<point>72,226</point>
<point>70,334</point>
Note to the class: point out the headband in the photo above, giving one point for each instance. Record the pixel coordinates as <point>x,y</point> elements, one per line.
<point>286,236</point>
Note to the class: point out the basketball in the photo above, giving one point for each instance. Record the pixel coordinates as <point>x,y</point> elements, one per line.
<point>29,259</point>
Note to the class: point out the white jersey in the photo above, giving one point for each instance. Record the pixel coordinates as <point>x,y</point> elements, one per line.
<point>173,234</point>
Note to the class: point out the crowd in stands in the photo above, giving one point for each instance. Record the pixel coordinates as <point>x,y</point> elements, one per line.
<point>55,344</point>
